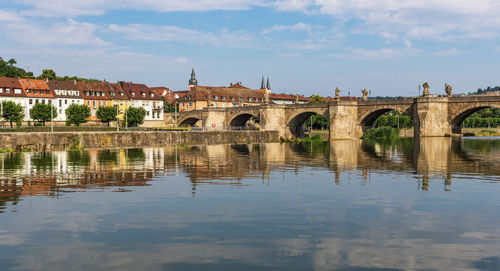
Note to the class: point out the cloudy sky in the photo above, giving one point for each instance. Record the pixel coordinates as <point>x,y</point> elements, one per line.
<point>304,46</point>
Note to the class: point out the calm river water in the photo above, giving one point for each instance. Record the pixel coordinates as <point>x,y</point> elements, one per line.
<point>427,205</point>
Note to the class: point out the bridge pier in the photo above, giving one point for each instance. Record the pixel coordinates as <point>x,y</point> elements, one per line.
<point>343,120</point>
<point>272,118</point>
<point>431,117</point>
<point>213,119</point>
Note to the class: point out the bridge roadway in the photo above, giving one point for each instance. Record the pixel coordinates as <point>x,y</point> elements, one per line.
<point>432,116</point>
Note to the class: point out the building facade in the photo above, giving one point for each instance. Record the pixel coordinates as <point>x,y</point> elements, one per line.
<point>66,93</point>
<point>11,90</point>
<point>37,91</point>
<point>94,96</point>
<point>142,96</point>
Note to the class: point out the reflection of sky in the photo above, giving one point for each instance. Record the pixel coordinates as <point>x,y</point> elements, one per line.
<point>294,220</point>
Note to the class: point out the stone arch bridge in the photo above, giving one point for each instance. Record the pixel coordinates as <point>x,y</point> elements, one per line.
<point>432,116</point>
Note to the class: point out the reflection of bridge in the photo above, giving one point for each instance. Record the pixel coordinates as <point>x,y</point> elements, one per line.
<point>432,116</point>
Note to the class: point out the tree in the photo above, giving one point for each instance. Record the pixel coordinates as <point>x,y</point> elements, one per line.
<point>77,114</point>
<point>49,74</point>
<point>170,107</point>
<point>12,112</point>
<point>316,99</point>
<point>135,116</point>
<point>41,112</point>
<point>106,114</point>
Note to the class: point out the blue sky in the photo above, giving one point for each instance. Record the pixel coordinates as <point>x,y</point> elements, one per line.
<point>304,46</point>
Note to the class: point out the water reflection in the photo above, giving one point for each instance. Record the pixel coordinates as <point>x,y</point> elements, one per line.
<point>428,205</point>
<point>31,174</point>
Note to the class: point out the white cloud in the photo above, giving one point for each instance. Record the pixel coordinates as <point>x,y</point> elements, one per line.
<point>9,16</point>
<point>70,32</point>
<point>168,33</point>
<point>444,20</point>
<point>293,5</point>
<point>294,27</point>
<point>449,52</point>
<point>376,54</point>
<point>73,8</point>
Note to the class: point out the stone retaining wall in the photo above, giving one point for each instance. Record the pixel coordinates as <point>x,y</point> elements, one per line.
<point>109,140</point>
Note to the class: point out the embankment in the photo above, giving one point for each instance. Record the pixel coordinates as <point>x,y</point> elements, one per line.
<point>109,140</point>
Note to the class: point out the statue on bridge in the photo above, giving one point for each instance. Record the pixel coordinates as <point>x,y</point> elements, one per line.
<point>426,90</point>
<point>266,93</point>
<point>365,94</point>
<point>296,98</point>
<point>448,90</point>
<point>337,94</point>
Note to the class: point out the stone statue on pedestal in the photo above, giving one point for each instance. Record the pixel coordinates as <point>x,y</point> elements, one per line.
<point>337,94</point>
<point>365,94</point>
<point>266,95</point>
<point>448,90</point>
<point>426,90</point>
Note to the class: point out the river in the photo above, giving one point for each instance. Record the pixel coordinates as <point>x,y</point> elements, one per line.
<point>432,204</point>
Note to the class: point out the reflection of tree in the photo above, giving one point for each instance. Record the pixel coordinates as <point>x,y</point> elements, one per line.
<point>135,155</point>
<point>43,161</point>
<point>78,158</point>
<point>12,160</point>
<point>107,157</point>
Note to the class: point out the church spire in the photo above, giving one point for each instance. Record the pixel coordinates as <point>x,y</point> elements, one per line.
<point>268,86</point>
<point>193,81</point>
<point>262,86</point>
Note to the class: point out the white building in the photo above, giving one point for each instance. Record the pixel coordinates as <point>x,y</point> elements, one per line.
<point>141,96</point>
<point>11,90</point>
<point>66,93</point>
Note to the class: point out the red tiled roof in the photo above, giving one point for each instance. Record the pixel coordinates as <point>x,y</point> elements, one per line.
<point>139,91</point>
<point>36,85</point>
<point>11,83</point>
<point>63,85</point>
<point>288,97</point>
<point>86,90</point>
<point>200,93</point>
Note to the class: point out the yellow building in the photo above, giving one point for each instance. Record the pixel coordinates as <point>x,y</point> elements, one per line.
<point>118,98</point>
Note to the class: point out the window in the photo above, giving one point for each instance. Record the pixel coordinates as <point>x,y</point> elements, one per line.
<point>206,96</point>
<point>1,90</point>
<point>190,104</point>
<point>60,111</point>
<point>231,98</point>
<point>121,94</point>
<point>17,90</point>
<point>36,101</point>
<point>112,94</point>
<point>249,99</point>
<point>88,103</point>
<point>60,103</point>
<point>241,99</point>
<point>152,95</point>
<point>65,101</point>
<point>216,98</point>
<point>133,94</point>
<point>7,90</point>
<point>72,101</point>
<point>223,98</point>
<point>99,103</point>
<point>49,101</point>
<point>43,101</point>
<point>31,101</point>
<point>143,94</point>
<point>93,104</point>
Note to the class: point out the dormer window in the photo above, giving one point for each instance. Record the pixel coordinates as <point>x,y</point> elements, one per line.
<point>216,98</point>
<point>121,93</point>
<point>143,94</point>
<point>133,93</point>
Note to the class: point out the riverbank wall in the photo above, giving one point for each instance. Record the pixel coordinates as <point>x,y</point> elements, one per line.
<point>59,141</point>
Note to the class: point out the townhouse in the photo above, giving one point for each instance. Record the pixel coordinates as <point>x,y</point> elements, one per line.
<point>37,91</point>
<point>142,96</point>
<point>94,96</point>
<point>66,93</point>
<point>118,98</point>
<point>11,90</point>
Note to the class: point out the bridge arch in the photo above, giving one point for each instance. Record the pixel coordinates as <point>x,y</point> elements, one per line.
<point>191,121</point>
<point>458,117</point>
<point>296,121</point>
<point>240,120</point>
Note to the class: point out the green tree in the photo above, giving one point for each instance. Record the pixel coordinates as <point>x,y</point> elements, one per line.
<point>12,112</point>
<point>316,99</point>
<point>49,74</point>
<point>41,112</point>
<point>170,107</point>
<point>106,114</point>
<point>77,114</point>
<point>135,116</point>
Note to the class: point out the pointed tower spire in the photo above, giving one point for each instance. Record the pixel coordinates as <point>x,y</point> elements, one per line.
<point>268,86</point>
<point>262,86</point>
<point>193,81</point>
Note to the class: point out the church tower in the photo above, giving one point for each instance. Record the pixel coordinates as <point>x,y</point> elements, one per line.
<point>193,81</point>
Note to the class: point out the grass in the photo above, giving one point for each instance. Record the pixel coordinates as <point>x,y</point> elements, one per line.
<point>313,138</point>
<point>6,150</point>
<point>488,133</point>
<point>381,134</point>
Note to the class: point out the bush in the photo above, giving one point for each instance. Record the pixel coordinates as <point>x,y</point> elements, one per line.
<point>313,138</point>
<point>381,134</point>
